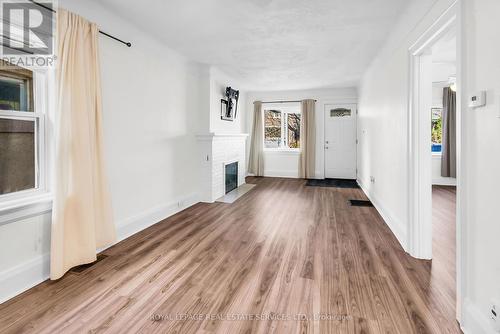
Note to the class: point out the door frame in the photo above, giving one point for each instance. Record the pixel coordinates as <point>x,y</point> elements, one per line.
<point>339,103</point>
<point>419,239</point>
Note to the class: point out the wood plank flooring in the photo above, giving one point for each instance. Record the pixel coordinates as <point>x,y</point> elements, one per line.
<point>444,236</point>
<point>284,258</point>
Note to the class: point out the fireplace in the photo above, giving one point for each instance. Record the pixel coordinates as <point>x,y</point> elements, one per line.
<point>231,176</point>
<point>217,151</point>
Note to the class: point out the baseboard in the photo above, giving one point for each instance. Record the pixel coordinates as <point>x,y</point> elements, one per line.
<point>24,276</point>
<point>284,174</point>
<point>16,280</point>
<point>389,219</point>
<point>475,322</point>
<point>153,216</point>
<point>444,182</point>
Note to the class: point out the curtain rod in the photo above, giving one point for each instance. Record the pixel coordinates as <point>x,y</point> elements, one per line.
<point>102,32</point>
<point>297,101</point>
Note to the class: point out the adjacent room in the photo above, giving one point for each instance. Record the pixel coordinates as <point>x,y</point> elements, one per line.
<point>444,157</point>
<point>249,166</point>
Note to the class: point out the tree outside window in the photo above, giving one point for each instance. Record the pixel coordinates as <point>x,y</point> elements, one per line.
<point>281,129</point>
<point>437,130</point>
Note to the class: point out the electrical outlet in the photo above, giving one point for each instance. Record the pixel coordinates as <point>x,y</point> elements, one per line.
<point>372,179</point>
<point>494,315</point>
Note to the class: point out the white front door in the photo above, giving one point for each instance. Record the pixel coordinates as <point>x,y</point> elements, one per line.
<point>340,141</point>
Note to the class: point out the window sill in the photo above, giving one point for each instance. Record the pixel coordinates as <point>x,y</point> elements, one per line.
<point>25,207</point>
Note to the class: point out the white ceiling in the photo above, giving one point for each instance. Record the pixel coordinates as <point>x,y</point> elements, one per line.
<point>271,44</point>
<point>444,57</point>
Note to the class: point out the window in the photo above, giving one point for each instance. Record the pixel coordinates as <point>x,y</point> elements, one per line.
<point>293,130</point>
<point>21,133</point>
<point>437,129</point>
<point>272,129</point>
<point>282,128</point>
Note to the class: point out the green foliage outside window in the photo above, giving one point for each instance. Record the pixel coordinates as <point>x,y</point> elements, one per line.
<point>437,131</point>
<point>437,126</point>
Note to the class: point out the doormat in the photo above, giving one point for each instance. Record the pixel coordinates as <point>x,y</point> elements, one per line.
<point>334,183</point>
<point>356,202</point>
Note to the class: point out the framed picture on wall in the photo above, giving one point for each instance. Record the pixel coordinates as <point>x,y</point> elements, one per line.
<point>226,113</point>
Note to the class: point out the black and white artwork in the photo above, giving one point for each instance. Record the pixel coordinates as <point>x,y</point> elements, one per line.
<point>229,106</point>
<point>225,111</point>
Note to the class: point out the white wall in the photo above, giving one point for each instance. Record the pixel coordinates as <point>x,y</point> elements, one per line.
<point>437,179</point>
<point>285,164</point>
<point>383,109</point>
<point>437,95</point>
<point>218,83</point>
<point>153,101</point>
<point>482,159</point>
<point>441,72</point>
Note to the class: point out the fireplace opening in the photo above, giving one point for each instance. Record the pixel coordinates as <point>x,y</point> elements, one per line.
<point>231,177</point>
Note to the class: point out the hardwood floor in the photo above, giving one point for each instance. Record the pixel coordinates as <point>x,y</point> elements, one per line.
<point>444,236</point>
<point>284,252</point>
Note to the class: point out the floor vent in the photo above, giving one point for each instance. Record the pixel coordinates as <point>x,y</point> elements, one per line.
<point>83,267</point>
<point>356,202</point>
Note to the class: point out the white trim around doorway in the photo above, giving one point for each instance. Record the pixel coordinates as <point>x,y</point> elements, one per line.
<point>419,239</point>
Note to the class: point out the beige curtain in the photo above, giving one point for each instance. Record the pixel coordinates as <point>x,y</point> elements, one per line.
<point>256,160</point>
<point>81,218</point>
<point>449,156</point>
<point>307,162</point>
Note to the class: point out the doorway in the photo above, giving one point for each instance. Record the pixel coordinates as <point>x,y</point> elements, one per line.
<point>444,161</point>
<point>434,175</point>
<point>340,141</point>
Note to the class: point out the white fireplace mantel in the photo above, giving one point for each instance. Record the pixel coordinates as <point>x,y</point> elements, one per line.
<point>216,150</point>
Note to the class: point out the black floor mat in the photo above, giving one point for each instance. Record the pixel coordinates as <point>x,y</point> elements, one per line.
<point>356,202</point>
<point>336,183</point>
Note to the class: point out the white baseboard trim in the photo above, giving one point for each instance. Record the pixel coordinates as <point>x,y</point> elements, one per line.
<point>24,276</point>
<point>389,219</point>
<point>281,173</point>
<point>287,175</point>
<point>474,321</point>
<point>444,182</point>
<point>137,223</point>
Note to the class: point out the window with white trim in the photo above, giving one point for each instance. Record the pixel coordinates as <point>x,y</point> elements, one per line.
<point>22,132</point>
<point>282,127</point>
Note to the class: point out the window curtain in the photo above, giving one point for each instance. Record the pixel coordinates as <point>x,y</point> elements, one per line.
<point>81,217</point>
<point>256,160</point>
<point>449,141</point>
<point>307,159</point>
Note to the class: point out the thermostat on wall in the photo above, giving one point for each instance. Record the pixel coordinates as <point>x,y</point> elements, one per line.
<point>477,100</point>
